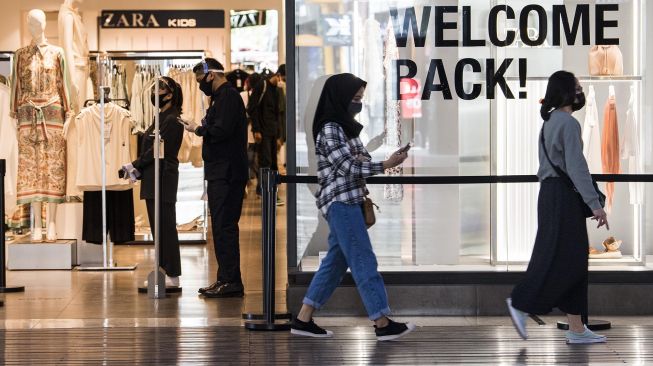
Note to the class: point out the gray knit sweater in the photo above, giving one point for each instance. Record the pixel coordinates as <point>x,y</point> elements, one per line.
<point>562,136</point>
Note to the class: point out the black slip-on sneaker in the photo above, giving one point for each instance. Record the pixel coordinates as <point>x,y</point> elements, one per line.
<point>309,329</point>
<point>393,330</point>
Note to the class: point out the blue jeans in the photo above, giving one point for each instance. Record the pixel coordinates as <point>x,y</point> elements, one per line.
<point>349,247</point>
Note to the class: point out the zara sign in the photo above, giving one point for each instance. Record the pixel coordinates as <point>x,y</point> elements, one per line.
<point>163,19</point>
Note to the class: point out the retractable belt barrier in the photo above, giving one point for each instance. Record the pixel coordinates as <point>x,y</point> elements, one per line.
<point>269,177</point>
<point>466,179</point>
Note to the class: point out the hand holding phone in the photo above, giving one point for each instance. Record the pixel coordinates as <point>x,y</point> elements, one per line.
<point>404,149</point>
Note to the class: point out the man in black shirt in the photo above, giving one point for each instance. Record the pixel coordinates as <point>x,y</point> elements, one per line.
<point>224,151</point>
<point>268,118</point>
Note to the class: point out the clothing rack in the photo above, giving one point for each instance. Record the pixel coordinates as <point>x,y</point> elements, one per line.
<point>90,102</point>
<point>159,62</point>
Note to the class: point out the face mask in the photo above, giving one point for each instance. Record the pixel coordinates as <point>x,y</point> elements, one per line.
<point>161,101</point>
<point>579,103</point>
<point>206,86</point>
<point>355,108</point>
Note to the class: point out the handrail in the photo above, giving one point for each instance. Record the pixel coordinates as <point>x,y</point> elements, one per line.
<point>465,179</point>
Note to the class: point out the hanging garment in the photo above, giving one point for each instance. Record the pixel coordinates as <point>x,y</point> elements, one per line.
<point>191,149</point>
<point>392,192</point>
<point>116,142</point>
<point>8,149</point>
<point>78,67</point>
<point>610,145</point>
<point>606,60</point>
<point>120,216</point>
<point>136,104</point>
<point>630,149</point>
<point>373,67</point>
<point>592,134</point>
<point>40,101</point>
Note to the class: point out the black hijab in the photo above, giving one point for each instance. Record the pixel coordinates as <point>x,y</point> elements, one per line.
<point>333,106</point>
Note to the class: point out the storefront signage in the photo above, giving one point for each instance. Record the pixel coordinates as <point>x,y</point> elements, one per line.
<point>564,28</point>
<point>337,30</point>
<point>247,18</point>
<point>162,19</point>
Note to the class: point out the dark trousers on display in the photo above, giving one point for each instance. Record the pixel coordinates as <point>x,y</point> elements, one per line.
<point>226,203</point>
<point>267,155</point>
<point>169,258</point>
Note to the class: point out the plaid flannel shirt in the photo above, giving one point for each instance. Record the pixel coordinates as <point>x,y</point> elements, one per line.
<point>342,166</point>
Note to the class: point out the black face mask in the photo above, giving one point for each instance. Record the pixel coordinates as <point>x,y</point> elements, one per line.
<point>579,103</point>
<point>355,108</point>
<point>206,86</point>
<point>161,101</point>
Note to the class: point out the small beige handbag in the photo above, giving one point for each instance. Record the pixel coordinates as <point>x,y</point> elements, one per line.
<point>606,61</point>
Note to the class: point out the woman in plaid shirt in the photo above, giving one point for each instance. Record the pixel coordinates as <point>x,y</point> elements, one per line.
<point>343,165</point>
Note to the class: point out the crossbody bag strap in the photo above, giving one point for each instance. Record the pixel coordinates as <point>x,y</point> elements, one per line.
<point>558,170</point>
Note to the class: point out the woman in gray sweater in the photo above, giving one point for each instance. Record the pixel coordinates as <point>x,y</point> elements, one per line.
<point>557,272</point>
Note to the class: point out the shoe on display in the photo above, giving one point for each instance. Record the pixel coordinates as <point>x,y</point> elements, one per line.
<point>226,290</point>
<point>518,319</point>
<point>212,286</point>
<point>587,337</point>
<point>611,251</point>
<point>393,330</point>
<point>309,329</point>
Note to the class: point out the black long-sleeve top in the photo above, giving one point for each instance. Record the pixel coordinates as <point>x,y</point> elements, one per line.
<point>224,130</point>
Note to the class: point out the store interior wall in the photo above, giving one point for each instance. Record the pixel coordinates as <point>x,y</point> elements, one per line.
<point>12,20</point>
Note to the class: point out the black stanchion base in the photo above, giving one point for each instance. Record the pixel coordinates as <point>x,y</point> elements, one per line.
<point>592,325</point>
<point>265,326</point>
<point>8,289</point>
<point>169,290</point>
<point>284,316</point>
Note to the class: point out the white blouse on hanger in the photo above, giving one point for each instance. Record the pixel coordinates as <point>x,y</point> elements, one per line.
<point>117,131</point>
<point>630,149</point>
<point>592,134</point>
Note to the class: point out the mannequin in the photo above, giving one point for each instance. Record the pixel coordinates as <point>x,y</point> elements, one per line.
<point>40,103</point>
<point>73,39</point>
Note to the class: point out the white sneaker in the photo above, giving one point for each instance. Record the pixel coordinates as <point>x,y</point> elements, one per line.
<point>170,282</point>
<point>518,319</point>
<point>587,337</point>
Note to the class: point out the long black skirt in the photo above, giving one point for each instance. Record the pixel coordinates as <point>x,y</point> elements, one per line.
<point>557,273</point>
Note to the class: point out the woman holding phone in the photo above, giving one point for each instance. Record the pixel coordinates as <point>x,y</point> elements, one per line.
<point>343,165</point>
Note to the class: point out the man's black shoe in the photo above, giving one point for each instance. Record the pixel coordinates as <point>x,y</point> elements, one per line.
<point>212,286</point>
<point>226,290</point>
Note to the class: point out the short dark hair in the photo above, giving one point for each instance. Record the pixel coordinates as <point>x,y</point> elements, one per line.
<point>282,70</point>
<point>560,92</point>
<point>211,63</point>
<point>175,89</point>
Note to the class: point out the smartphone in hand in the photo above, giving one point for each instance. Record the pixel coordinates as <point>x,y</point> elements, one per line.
<point>404,149</point>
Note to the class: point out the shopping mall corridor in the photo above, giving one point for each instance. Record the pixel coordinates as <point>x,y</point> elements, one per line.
<point>75,317</point>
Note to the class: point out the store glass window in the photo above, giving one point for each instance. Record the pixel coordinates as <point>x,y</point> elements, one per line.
<point>461,81</point>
